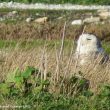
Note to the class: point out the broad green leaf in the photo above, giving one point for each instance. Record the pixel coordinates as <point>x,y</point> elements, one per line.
<point>18,79</point>
<point>19,82</point>
<point>28,72</point>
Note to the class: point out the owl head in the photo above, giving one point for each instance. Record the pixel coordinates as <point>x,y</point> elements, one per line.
<point>88,43</point>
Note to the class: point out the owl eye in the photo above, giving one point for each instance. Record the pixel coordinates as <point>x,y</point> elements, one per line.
<point>88,39</point>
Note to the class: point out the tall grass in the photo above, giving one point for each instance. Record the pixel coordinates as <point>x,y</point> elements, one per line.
<point>63,83</point>
<point>57,60</point>
<point>52,30</point>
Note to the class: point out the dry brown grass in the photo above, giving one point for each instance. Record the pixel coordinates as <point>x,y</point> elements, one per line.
<point>58,61</point>
<point>50,30</point>
<point>47,60</point>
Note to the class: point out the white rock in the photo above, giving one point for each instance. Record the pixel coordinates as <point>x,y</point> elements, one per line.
<point>103,22</point>
<point>88,48</point>
<point>104,14</point>
<point>37,14</point>
<point>10,3</point>
<point>91,20</point>
<point>41,20</point>
<point>102,10</point>
<point>77,22</point>
<point>14,12</point>
<point>29,19</point>
<point>60,18</point>
<point>2,19</point>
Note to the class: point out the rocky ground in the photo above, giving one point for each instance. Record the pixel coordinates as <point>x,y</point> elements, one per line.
<point>18,23</point>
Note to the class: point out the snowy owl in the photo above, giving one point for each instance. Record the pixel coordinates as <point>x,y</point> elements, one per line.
<point>88,48</point>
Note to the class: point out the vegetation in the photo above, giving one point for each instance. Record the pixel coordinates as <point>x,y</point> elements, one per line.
<point>38,70</point>
<point>18,28</point>
<point>51,30</point>
<point>26,82</point>
<point>84,2</point>
<point>27,90</point>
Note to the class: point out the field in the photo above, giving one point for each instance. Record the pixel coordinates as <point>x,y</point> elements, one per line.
<point>37,66</point>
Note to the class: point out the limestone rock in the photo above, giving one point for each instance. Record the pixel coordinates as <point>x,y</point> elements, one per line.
<point>29,19</point>
<point>104,14</point>
<point>14,12</point>
<point>41,20</point>
<point>77,22</point>
<point>91,20</point>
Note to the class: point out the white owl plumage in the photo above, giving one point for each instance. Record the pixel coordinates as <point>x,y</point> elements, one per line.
<point>88,47</point>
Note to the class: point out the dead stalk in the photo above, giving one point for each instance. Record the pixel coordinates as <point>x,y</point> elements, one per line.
<point>59,57</point>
